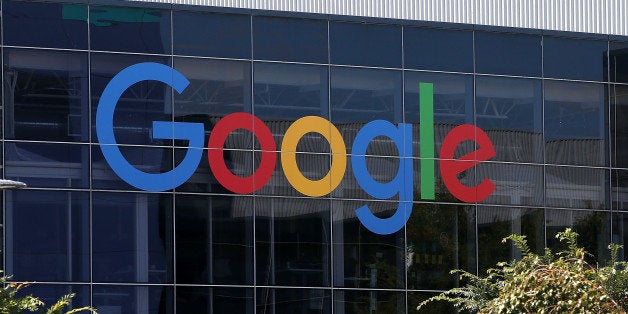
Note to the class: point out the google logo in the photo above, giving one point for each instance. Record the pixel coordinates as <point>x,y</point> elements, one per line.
<point>401,185</point>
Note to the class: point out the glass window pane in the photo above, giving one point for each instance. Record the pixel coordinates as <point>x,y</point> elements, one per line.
<point>619,125</point>
<point>359,96</point>
<point>46,95</point>
<point>496,223</point>
<point>132,237</point>
<point>217,88</point>
<point>48,165</point>
<point>510,111</point>
<point>211,35</point>
<point>292,238</point>
<point>364,301</point>
<point>618,59</point>
<point>574,58</point>
<point>515,184</point>
<point>363,259</point>
<point>515,54</point>
<point>140,104</point>
<point>576,123</point>
<point>133,299</point>
<point>214,240</point>
<point>576,187</point>
<point>50,294</point>
<point>289,39</point>
<point>284,93</point>
<point>35,24</point>
<point>593,228</point>
<point>619,189</point>
<point>214,300</point>
<point>48,235</point>
<point>415,298</point>
<point>293,301</point>
<point>129,29</point>
<point>620,233</point>
<point>441,238</point>
<point>431,49</point>
<point>365,44</point>
<point>239,162</point>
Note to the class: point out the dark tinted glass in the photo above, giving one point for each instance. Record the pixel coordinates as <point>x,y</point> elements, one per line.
<point>618,59</point>
<point>132,237</point>
<point>56,248</point>
<point>293,301</point>
<point>620,233</point>
<point>289,39</point>
<point>203,180</point>
<point>593,228</point>
<point>363,259</point>
<point>619,184</point>
<point>365,44</point>
<point>217,88</point>
<point>214,239</point>
<point>129,29</point>
<point>515,184</point>
<point>54,25</point>
<point>211,35</point>
<point>284,93</point>
<point>510,111</point>
<point>441,237</point>
<point>293,242</point>
<point>46,95</point>
<point>415,298</point>
<point>576,123</point>
<point>619,125</point>
<point>496,223</point>
<point>364,301</point>
<point>48,165</point>
<point>576,187</point>
<point>50,294</point>
<point>515,54</point>
<point>214,300</point>
<point>574,58</point>
<point>438,49</point>
<point>147,159</point>
<point>133,299</point>
<point>140,105</point>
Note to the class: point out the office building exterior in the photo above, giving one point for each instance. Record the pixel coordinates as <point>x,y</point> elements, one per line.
<point>266,219</point>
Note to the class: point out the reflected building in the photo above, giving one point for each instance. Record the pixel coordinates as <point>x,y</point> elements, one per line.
<point>551,102</point>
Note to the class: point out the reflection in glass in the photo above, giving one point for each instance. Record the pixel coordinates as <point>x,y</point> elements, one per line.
<point>496,223</point>
<point>214,239</point>
<point>129,29</point>
<point>290,39</point>
<point>50,293</point>
<point>618,59</point>
<point>217,88</point>
<point>293,301</point>
<point>510,111</point>
<point>619,189</point>
<point>292,238</point>
<point>415,298</point>
<point>593,228</point>
<point>574,58</point>
<point>619,125</point>
<point>47,165</point>
<point>38,24</point>
<point>132,237</point>
<point>503,53</point>
<point>576,187</point>
<point>431,49</point>
<point>239,162</point>
<point>514,184</point>
<point>620,233</point>
<point>364,301</point>
<point>46,95</point>
<point>441,238</point>
<point>211,34</point>
<point>575,123</point>
<point>365,44</point>
<point>363,259</point>
<point>133,299</point>
<point>214,300</point>
<point>140,105</point>
<point>47,235</point>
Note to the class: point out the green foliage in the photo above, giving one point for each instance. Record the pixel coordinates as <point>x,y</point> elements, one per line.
<point>11,303</point>
<point>550,283</point>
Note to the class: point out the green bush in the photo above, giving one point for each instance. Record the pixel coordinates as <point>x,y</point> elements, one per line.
<point>560,282</point>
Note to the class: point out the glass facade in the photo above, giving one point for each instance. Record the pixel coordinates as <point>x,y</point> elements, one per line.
<point>552,104</point>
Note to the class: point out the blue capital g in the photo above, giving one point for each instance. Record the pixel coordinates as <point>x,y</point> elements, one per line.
<point>192,132</point>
